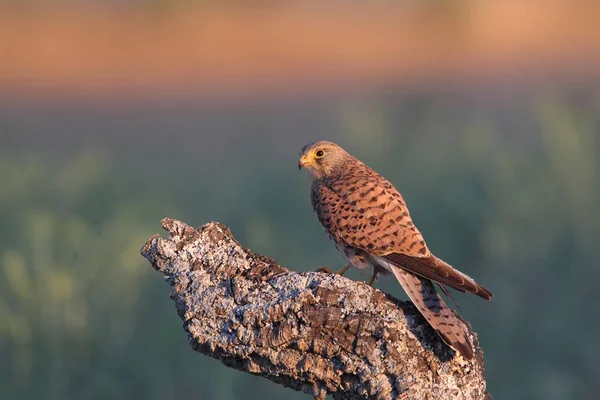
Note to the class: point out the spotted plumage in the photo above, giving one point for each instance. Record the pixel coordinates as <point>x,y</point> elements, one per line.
<point>367,219</point>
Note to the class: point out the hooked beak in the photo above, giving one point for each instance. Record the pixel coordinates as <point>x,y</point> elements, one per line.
<point>303,161</point>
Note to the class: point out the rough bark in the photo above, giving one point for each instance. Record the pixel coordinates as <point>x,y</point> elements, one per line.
<point>313,332</point>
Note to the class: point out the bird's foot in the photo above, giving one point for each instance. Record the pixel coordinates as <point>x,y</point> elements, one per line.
<point>330,271</point>
<point>325,269</point>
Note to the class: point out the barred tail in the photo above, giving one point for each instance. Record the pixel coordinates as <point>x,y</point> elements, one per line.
<point>428,301</point>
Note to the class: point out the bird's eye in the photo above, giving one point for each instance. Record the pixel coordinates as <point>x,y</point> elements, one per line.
<point>319,153</point>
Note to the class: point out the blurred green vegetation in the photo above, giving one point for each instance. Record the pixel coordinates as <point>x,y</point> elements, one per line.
<point>508,192</point>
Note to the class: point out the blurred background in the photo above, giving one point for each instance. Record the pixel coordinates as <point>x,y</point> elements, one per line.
<point>113,115</point>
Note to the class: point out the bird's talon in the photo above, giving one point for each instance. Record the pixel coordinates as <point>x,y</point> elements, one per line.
<point>325,270</point>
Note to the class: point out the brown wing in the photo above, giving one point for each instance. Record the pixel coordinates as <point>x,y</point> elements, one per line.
<point>437,270</point>
<point>361,209</point>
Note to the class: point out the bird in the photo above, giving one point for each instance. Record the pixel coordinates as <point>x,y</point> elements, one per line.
<point>368,221</point>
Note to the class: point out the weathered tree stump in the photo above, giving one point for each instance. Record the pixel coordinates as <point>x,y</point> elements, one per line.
<point>313,332</point>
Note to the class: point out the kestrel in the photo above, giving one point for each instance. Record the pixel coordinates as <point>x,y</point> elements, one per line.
<point>367,219</point>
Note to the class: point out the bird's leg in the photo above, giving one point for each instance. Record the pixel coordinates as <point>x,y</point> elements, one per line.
<point>330,271</point>
<point>342,270</point>
<point>372,280</point>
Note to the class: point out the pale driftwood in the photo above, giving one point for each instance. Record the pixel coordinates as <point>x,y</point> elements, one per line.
<point>313,332</point>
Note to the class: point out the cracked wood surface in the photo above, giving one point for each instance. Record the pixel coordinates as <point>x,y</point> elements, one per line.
<point>313,332</point>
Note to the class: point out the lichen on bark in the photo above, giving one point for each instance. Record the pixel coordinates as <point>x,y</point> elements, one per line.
<point>312,332</point>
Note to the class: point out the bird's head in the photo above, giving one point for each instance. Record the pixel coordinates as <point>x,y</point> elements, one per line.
<point>320,159</point>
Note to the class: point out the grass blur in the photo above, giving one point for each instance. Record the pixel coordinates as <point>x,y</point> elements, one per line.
<point>486,116</point>
<point>508,193</point>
